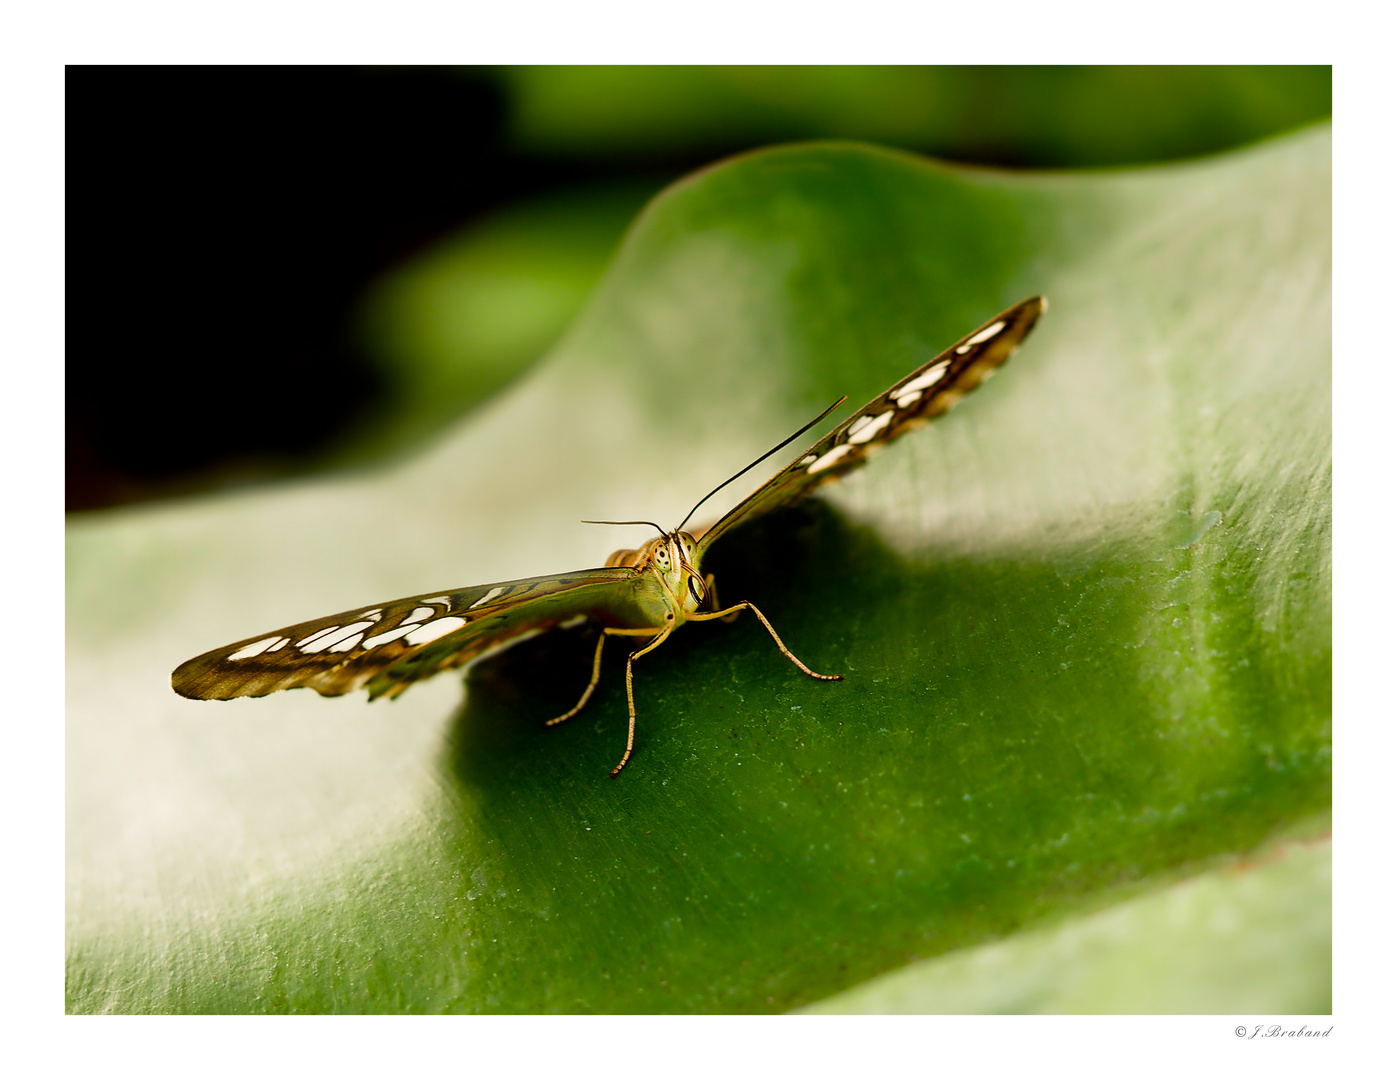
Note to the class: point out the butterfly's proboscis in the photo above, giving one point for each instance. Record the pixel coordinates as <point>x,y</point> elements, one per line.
<point>647,592</point>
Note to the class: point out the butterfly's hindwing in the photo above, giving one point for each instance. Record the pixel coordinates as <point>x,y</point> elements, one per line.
<point>389,646</point>
<point>920,397</point>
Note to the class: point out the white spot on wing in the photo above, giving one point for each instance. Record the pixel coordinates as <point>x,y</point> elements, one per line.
<point>347,644</point>
<point>256,648</point>
<point>316,636</point>
<point>908,399</point>
<point>870,429</point>
<point>324,641</point>
<point>489,596</point>
<point>388,635</point>
<point>281,642</point>
<point>858,425</point>
<point>925,379</point>
<point>829,458</point>
<point>421,613</point>
<point>431,631</point>
<point>807,459</point>
<point>985,334</point>
<point>374,614</point>
<point>437,600</point>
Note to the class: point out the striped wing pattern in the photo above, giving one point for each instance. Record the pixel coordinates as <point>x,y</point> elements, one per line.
<point>920,397</point>
<point>387,647</point>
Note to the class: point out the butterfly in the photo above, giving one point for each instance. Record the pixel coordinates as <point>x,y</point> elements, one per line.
<point>643,593</point>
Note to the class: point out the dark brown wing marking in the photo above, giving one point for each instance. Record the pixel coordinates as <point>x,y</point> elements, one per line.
<point>389,646</point>
<point>922,396</point>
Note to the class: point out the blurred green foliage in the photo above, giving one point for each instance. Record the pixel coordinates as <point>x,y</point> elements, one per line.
<point>1038,117</point>
<point>456,323</point>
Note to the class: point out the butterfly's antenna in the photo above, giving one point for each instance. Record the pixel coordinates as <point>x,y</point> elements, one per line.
<point>783,442</point>
<point>650,523</point>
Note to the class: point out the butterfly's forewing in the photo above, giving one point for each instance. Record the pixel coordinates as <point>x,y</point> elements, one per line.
<point>922,396</point>
<point>389,646</point>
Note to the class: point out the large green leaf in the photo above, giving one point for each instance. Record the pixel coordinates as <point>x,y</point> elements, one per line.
<point>1084,620</point>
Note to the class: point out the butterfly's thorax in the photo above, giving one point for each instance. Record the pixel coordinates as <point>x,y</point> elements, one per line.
<point>669,583</point>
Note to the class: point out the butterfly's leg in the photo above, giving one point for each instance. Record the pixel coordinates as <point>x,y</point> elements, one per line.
<point>586,694</point>
<point>630,691</point>
<point>712,587</point>
<point>708,616</point>
<point>596,671</point>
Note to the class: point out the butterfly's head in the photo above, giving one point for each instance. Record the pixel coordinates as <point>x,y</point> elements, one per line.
<point>672,557</point>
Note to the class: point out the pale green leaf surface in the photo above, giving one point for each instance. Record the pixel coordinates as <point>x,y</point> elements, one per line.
<point>1084,620</point>
<point>1207,945</point>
